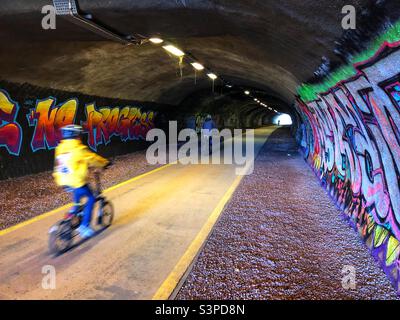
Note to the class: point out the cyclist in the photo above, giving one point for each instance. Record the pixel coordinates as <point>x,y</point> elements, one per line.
<point>207,127</point>
<point>71,171</point>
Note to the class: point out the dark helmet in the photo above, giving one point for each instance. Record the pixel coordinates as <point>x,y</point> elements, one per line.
<point>71,131</point>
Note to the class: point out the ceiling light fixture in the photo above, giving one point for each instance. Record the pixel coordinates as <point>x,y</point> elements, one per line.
<point>212,76</point>
<point>156,40</point>
<point>247,92</point>
<point>197,66</point>
<point>174,50</point>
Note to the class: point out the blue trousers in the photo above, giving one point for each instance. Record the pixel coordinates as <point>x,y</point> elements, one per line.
<point>85,192</point>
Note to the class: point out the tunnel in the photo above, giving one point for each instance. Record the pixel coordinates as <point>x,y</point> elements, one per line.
<point>322,99</point>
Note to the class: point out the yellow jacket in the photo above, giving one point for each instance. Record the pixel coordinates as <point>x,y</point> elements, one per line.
<point>72,162</point>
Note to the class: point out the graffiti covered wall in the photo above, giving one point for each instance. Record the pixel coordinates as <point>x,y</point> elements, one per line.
<point>30,119</point>
<point>351,137</point>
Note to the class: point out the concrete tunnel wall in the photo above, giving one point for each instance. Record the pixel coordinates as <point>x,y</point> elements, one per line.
<point>350,136</point>
<point>30,119</point>
<point>228,109</point>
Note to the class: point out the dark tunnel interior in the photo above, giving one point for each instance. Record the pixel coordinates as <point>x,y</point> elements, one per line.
<point>117,69</point>
<point>237,40</point>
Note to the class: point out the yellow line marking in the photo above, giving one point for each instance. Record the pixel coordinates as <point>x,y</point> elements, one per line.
<point>170,283</point>
<point>48,214</point>
<point>32,220</point>
<point>138,177</point>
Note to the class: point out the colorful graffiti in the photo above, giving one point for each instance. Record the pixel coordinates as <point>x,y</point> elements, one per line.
<point>10,130</point>
<point>47,117</point>
<point>352,140</point>
<point>128,123</point>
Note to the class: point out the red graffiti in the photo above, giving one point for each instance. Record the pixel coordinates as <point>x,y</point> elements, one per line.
<point>48,119</point>
<point>10,130</point>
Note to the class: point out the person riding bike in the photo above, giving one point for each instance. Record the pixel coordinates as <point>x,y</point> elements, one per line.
<point>71,171</point>
<point>208,123</point>
<point>207,127</point>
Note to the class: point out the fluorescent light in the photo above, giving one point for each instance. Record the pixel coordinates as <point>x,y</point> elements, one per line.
<point>247,92</point>
<point>212,76</point>
<point>174,50</point>
<point>197,66</point>
<point>156,40</point>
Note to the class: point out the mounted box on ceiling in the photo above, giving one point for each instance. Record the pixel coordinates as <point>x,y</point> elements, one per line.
<point>69,9</point>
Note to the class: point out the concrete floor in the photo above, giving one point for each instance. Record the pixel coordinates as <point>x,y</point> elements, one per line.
<point>157,218</point>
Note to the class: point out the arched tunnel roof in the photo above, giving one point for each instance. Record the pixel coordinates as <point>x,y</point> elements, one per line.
<point>269,45</point>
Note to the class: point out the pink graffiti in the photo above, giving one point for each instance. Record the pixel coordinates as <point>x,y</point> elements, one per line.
<point>356,128</point>
<point>48,119</point>
<point>10,130</point>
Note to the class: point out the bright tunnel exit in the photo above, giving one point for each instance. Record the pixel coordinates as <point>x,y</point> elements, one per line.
<point>282,119</point>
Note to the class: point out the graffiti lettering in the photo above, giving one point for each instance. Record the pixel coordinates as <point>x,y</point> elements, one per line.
<point>353,142</point>
<point>10,130</point>
<point>48,119</point>
<point>128,123</point>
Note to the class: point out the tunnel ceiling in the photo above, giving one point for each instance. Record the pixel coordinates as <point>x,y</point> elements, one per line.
<point>269,45</point>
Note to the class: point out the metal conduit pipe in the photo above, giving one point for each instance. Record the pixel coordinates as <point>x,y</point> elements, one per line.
<point>69,9</point>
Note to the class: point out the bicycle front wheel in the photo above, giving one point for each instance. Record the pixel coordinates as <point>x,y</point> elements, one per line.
<point>107,214</point>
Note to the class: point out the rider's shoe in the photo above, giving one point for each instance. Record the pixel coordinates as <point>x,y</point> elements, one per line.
<point>86,232</point>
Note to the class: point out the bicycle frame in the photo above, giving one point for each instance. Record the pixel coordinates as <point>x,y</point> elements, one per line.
<point>97,192</point>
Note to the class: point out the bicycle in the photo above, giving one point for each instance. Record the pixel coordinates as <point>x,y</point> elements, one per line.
<point>62,234</point>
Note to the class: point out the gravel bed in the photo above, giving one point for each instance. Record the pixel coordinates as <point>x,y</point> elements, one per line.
<point>281,237</point>
<point>28,196</point>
